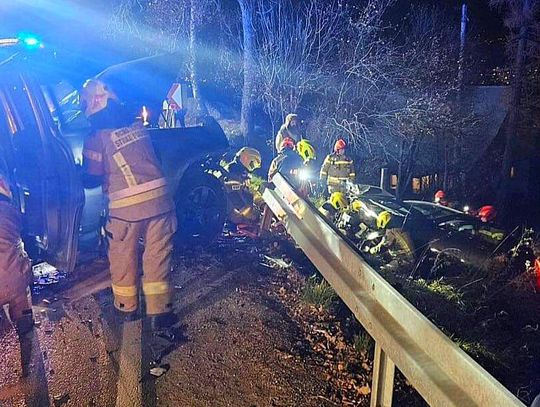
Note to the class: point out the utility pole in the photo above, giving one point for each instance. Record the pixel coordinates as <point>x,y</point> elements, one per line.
<point>462,43</point>
<point>452,148</point>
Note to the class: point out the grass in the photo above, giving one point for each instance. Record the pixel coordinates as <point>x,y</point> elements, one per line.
<point>318,201</point>
<point>441,288</point>
<point>475,349</point>
<point>318,293</point>
<point>363,343</point>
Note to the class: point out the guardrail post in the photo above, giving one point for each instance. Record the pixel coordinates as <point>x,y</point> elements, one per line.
<point>385,179</point>
<point>383,379</point>
<point>266,220</point>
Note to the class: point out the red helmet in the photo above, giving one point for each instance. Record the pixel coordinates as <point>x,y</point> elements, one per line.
<point>287,142</point>
<point>440,194</point>
<point>340,145</point>
<point>537,272</point>
<point>487,213</point>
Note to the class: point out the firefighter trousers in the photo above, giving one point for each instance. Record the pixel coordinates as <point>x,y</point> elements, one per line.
<point>15,275</point>
<point>157,234</point>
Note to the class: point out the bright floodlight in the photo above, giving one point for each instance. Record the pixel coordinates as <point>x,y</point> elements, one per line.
<point>304,174</point>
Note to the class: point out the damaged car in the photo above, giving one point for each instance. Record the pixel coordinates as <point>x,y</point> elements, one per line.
<point>42,131</point>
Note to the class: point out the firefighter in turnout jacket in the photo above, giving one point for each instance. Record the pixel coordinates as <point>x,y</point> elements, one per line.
<point>240,201</point>
<point>337,168</point>
<point>15,270</point>
<point>120,156</point>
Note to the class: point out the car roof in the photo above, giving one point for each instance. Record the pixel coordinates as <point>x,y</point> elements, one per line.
<point>434,205</point>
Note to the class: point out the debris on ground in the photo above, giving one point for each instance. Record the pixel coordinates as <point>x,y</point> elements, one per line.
<point>346,368</point>
<point>45,274</point>
<point>158,371</point>
<point>274,262</point>
<point>61,399</point>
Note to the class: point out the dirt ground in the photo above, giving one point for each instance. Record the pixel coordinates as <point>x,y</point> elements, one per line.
<point>236,344</point>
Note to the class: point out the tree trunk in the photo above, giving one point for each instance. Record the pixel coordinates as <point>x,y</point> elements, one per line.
<point>194,16</point>
<point>246,121</point>
<point>511,130</point>
<point>405,168</point>
<point>462,42</point>
<point>446,165</point>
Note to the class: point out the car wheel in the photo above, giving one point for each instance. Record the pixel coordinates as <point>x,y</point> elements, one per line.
<point>402,244</point>
<point>201,208</point>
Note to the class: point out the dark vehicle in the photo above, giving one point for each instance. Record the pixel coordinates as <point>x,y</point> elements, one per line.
<point>432,231</point>
<point>466,238</point>
<point>42,130</point>
<point>418,230</point>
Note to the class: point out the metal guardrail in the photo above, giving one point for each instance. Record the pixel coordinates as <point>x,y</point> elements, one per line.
<point>440,371</point>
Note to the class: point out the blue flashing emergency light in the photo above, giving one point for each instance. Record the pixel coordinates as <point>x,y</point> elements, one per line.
<point>30,41</point>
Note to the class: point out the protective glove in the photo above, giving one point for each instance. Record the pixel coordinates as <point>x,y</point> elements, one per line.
<point>376,249</point>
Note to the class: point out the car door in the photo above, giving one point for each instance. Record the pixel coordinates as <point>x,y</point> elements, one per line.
<point>49,190</point>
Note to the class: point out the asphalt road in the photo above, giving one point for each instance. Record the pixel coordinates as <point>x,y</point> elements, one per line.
<point>234,345</point>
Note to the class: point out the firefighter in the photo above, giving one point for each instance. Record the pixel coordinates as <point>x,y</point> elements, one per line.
<point>288,161</point>
<point>240,200</point>
<point>290,129</point>
<point>119,155</point>
<point>487,213</point>
<point>396,242</point>
<point>440,198</point>
<point>15,270</point>
<point>351,220</point>
<point>306,150</point>
<point>337,168</point>
<point>336,203</point>
<point>305,176</point>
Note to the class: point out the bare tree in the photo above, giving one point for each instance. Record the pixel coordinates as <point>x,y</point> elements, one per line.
<point>195,15</point>
<point>297,45</point>
<point>524,28</point>
<point>149,28</point>
<point>248,92</point>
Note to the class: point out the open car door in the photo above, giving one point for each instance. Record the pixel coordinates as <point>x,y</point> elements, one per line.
<point>46,184</point>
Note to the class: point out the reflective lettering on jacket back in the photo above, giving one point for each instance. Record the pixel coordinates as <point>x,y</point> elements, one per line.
<point>125,136</point>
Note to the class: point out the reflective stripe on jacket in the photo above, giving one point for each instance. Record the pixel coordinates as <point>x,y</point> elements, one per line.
<point>336,169</point>
<point>133,179</point>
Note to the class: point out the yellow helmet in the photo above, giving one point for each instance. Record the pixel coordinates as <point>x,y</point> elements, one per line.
<point>338,200</point>
<point>250,158</point>
<point>95,96</point>
<point>383,219</point>
<point>356,206</point>
<point>306,150</point>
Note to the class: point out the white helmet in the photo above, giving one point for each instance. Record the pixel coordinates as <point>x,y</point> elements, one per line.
<point>95,96</point>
